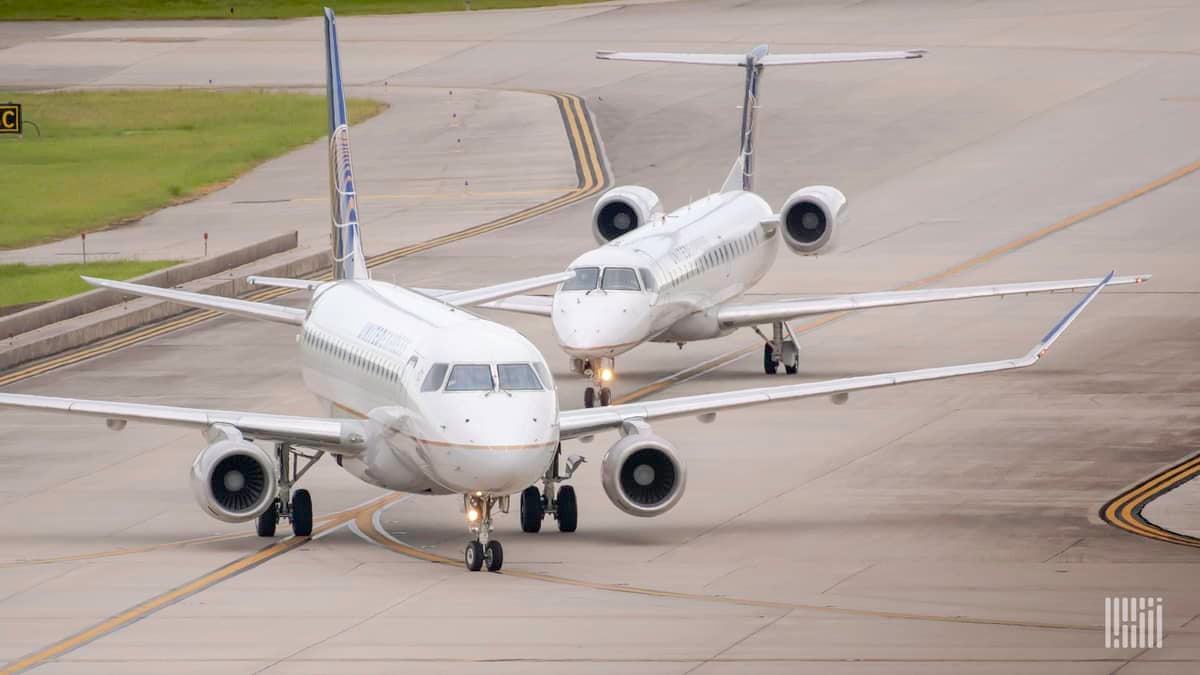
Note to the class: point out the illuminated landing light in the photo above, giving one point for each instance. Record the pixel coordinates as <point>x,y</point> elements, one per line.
<point>472,515</point>
<point>606,374</point>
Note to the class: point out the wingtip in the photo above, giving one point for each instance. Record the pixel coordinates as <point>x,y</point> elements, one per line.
<point>604,53</point>
<point>917,53</point>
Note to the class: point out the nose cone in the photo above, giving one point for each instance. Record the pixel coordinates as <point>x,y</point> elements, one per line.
<point>599,323</point>
<point>495,442</point>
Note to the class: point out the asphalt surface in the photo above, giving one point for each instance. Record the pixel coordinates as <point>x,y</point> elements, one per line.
<point>949,527</point>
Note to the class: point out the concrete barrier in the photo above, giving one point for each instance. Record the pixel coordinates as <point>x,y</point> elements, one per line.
<point>91,301</point>
<point>127,314</point>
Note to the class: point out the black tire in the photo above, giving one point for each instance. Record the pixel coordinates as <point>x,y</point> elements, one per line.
<point>770,366</point>
<point>267,520</point>
<point>791,370</point>
<point>473,557</point>
<point>493,555</point>
<point>532,510</point>
<point>568,510</point>
<point>605,397</point>
<point>589,398</point>
<point>302,513</point>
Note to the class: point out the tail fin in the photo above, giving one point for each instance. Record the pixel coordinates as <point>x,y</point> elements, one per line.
<point>348,259</point>
<point>754,62</point>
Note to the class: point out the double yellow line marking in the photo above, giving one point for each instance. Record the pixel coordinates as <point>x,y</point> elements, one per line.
<point>592,178</point>
<point>1125,510</point>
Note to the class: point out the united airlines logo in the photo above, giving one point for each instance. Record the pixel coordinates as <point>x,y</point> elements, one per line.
<point>344,199</point>
<point>1133,623</point>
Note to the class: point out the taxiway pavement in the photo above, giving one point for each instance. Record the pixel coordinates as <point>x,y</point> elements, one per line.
<point>948,527</point>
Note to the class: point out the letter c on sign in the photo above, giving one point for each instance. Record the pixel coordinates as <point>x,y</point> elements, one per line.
<point>8,119</point>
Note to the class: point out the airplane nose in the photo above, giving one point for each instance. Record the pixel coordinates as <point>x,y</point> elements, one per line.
<point>601,324</point>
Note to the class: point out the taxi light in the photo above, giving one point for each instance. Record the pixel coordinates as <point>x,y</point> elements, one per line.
<point>472,515</point>
<point>606,374</point>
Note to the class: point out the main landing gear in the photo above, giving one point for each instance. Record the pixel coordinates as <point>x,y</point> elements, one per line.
<point>294,506</point>
<point>483,551</point>
<point>781,347</point>
<point>601,372</point>
<point>558,501</point>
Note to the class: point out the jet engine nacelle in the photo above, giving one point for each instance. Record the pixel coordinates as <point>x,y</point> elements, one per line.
<point>811,217</point>
<point>643,475</point>
<point>622,210</point>
<point>233,479</point>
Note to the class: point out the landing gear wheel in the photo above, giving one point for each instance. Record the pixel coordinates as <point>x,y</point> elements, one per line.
<point>493,555</point>
<point>568,510</point>
<point>589,398</point>
<point>302,514</point>
<point>791,357</point>
<point>770,365</point>
<point>533,510</point>
<point>473,556</point>
<point>605,396</point>
<point>267,520</point>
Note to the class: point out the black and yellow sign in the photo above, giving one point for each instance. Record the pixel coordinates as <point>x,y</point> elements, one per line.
<point>10,118</point>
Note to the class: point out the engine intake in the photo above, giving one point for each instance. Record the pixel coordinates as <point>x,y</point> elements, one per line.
<point>811,217</point>
<point>233,479</point>
<point>643,475</point>
<point>622,210</point>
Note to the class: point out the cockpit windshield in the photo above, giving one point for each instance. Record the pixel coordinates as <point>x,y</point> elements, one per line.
<point>517,377</point>
<point>620,279</point>
<point>584,280</point>
<point>470,377</point>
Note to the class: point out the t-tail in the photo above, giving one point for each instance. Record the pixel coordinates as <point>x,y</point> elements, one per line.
<point>348,259</point>
<point>754,62</point>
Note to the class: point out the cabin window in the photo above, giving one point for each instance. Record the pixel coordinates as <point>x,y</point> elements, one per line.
<point>517,377</point>
<point>474,377</point>
<point>584,280</point>
<point>437,374</point>
<point>620,279</point>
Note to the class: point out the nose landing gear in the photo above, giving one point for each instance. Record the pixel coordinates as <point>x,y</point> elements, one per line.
<point>781,347</point>
<point>558,501</point>
<point>601,371</point>
<point>483,551</point>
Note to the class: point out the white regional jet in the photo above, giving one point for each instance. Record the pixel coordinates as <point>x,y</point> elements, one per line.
<point>427,398</point>
<point>676,277</point>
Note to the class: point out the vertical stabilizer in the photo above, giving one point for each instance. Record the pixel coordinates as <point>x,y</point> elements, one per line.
<point>742,176</point>
<point>348,259</point>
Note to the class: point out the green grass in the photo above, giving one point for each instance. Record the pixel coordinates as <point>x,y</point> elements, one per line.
<point>20,284</point>
<point>242,9</point>
<point>108,157</point>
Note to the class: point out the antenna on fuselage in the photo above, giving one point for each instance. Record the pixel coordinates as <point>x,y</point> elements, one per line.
<point>753,61</point>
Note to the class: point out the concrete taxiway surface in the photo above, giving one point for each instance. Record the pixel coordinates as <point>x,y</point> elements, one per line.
<point>951,527</point>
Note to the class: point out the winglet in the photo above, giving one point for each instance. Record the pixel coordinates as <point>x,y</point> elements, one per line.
<point>1061,327</point>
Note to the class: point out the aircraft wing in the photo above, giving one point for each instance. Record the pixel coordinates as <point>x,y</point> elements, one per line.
<point>246,308</point>
<point>587,421</point>
<point>537,305</point>
<point>347,436</point>
<point>750,314</point>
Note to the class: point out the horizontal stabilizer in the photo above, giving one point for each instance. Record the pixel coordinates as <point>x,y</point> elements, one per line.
<point>764,60</point>
<point>478,296</point>
<point>280,282</point>
<point>217,303</point>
